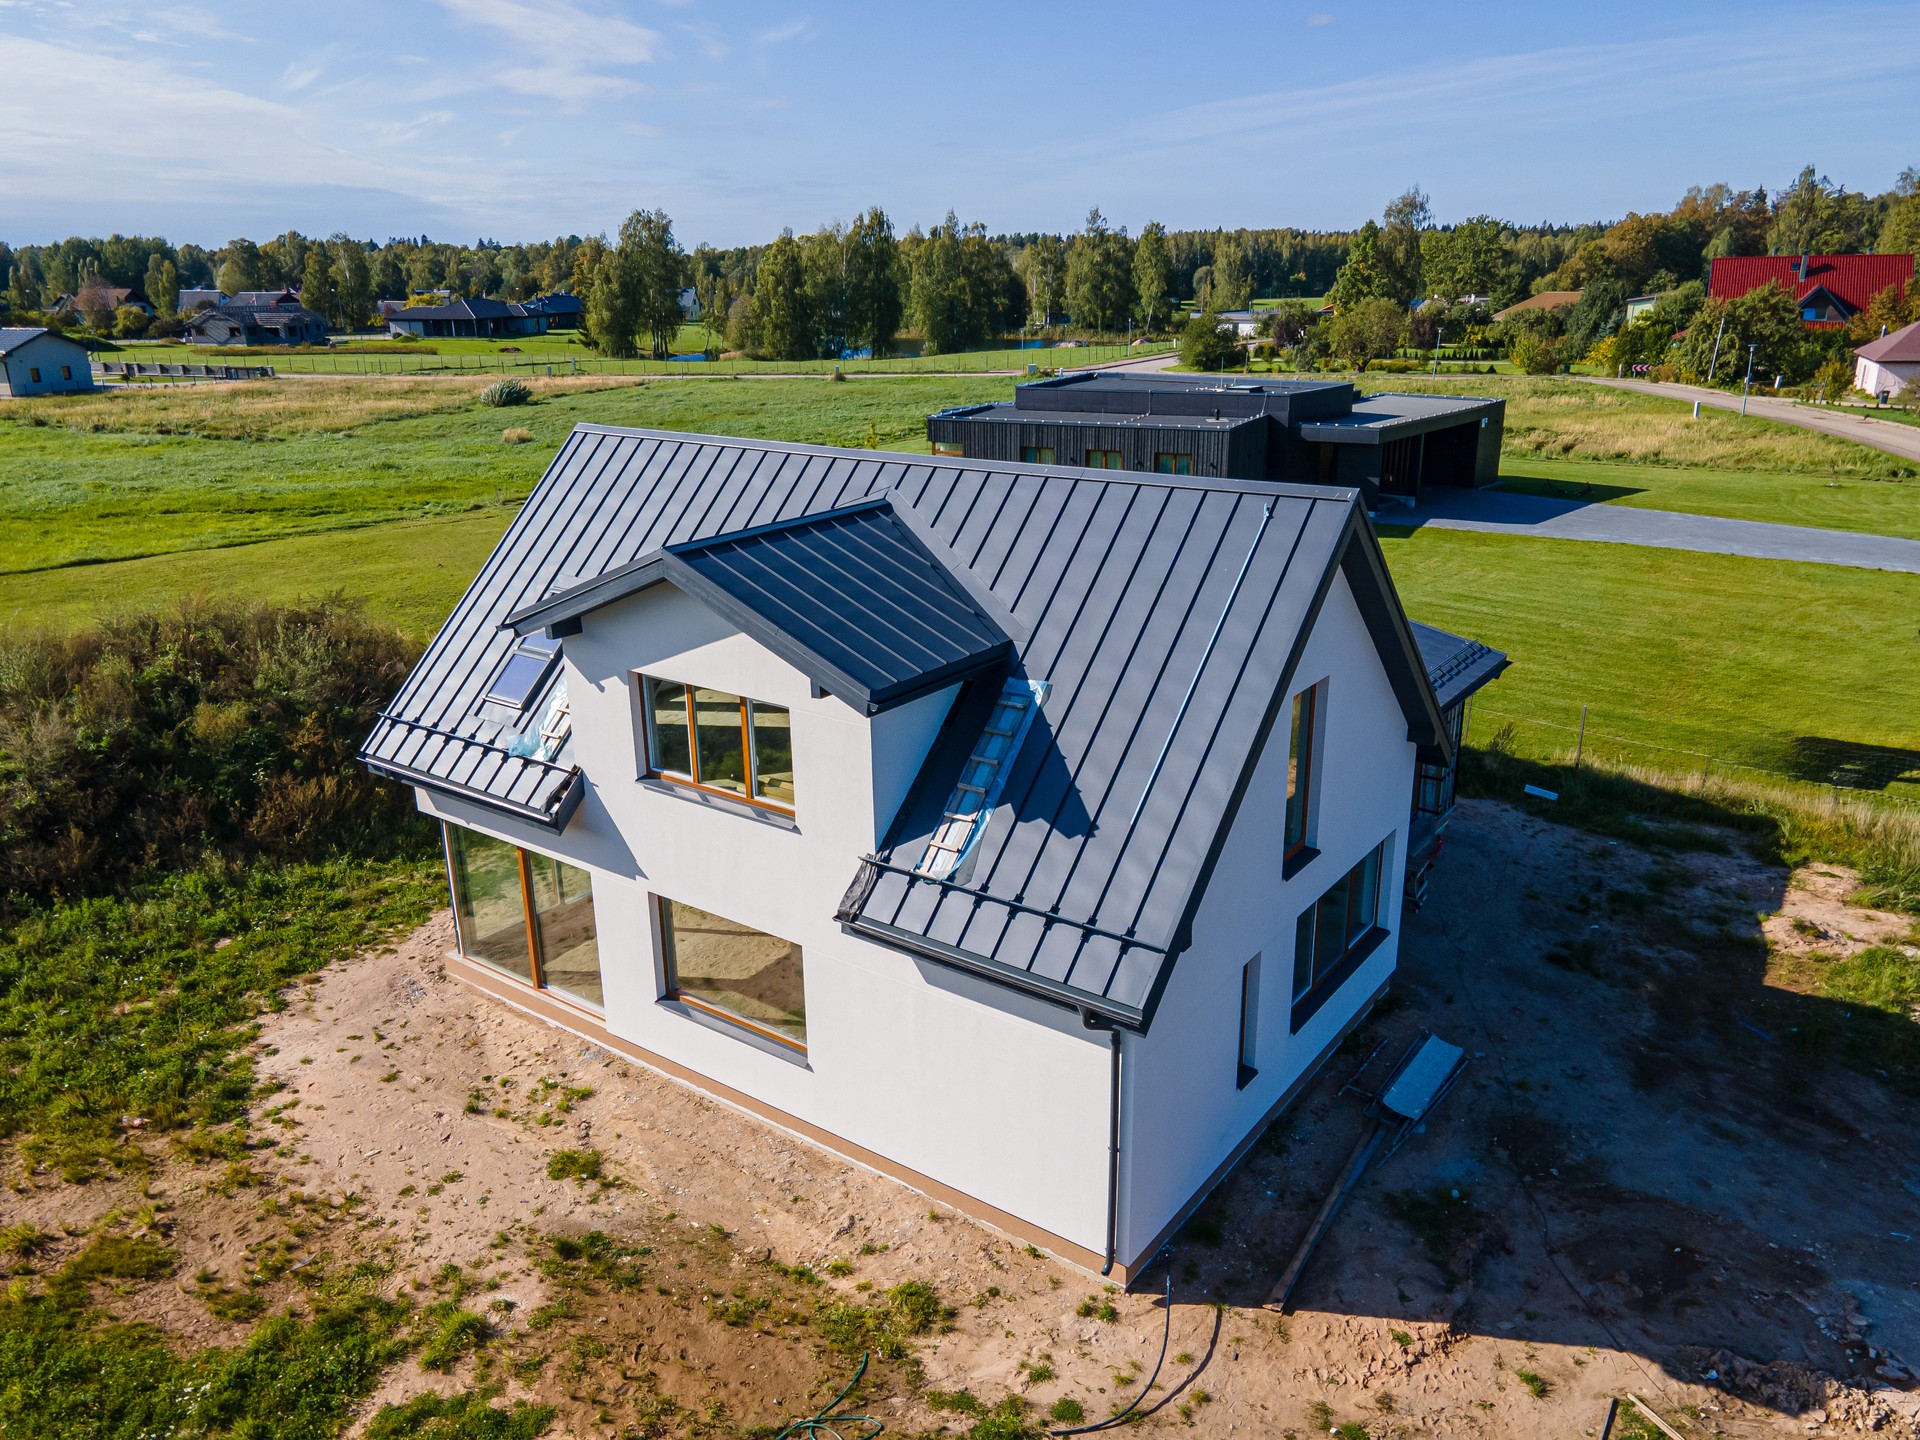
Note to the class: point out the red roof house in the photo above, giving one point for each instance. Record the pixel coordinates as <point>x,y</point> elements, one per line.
<point>1830,289</point>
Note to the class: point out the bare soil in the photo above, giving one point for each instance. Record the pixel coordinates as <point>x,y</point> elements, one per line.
<point>1641,1185</point>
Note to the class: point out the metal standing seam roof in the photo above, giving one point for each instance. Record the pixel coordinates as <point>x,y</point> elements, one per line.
<point>1165,613</point>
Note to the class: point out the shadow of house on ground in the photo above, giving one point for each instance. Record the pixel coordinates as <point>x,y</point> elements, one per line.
<point>1845,763</point>
<point>1655,1152</point>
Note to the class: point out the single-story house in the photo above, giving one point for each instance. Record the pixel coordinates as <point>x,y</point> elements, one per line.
<point>1545,300</point>
<point>690,303</point>
<point>117,296</point>
<point>1298,431</point>
<point>1829,289</point>
<point>1890,364</point>
<point>241,321</point>
<point>478,319</point>
<point>1244,324</point>
<point>562,311</point>
<point>36,361</point>
<point>1028,834</point>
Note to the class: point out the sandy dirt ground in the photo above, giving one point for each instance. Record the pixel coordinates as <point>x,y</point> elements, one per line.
<point>1641,1185</point>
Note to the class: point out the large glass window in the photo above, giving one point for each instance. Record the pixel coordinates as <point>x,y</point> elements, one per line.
<point>1103,460</point>
<point>718,741</point>
<point>526,914</point>
<point>735,971</point>
<point>1302,740</point>
<point>569,942</point>
<point>1329,929</point>
<point>1173,462</point>
<point>1036,454</point>
<point>489,901</point>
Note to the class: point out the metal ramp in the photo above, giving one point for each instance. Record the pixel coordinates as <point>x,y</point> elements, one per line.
<point>1428,1069</point>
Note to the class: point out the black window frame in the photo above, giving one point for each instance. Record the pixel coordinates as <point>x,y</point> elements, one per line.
<point>1249,1036</point>
<point>1306,728</point>
<point>1320,965</point>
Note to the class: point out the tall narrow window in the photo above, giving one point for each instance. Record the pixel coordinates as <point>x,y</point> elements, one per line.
<point>738,973</point>
<point>1249,1020</point>
<point>527,914</point>
<point>716,741</point>
<point>489,903</point>
<point>564,927</point>
<point>1302,743</point>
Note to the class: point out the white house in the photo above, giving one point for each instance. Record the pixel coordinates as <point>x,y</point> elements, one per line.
<point>1028,834</point>
<point>34,361</point>
<point>1890,364</point>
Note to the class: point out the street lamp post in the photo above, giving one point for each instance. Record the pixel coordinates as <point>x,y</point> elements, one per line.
<point>1747,384</point>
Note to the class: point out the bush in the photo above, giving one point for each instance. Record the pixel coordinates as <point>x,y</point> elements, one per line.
<point>228,727</point>
<point>1205,346</point>
<point>506,392</point>
<point>1534,354</point>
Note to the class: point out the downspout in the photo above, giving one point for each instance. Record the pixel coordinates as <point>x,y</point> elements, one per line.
<point>1113,1148</point>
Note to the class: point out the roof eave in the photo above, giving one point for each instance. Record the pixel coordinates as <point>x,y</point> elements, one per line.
<point>554,819</point>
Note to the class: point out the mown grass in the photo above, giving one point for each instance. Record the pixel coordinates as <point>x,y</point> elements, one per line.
<point>1572,420</point>
<point>1680,657</point>
<point>139,1007</point>
<point>302,457</point>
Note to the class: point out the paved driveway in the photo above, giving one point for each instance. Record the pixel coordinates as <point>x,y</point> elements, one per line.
<point>1501,513</point>
<point>1888,435</point>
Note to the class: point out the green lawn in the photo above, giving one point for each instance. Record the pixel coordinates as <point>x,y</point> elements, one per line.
<point>1680,657</point>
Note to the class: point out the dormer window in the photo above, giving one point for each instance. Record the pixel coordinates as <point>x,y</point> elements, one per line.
<point>524,676</point>
<point>714,741</point>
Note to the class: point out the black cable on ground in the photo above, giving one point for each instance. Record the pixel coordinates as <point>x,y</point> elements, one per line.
<point>1119,1416</point>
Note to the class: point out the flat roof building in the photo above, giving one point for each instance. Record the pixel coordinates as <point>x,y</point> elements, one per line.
<point>1302,431</point>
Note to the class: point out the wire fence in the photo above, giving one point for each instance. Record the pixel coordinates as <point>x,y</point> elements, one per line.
<point>1875,769</point>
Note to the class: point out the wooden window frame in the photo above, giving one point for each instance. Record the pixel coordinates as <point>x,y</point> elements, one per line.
<point>1109,459</point>
<point>536,966</point>
<point>946,448</point>
<point>1040,454</point>
<point>670,981</point>
<point>1298,849</point>
<point>1174,458</point>
<point>692,782</point>
<point>33,374</point>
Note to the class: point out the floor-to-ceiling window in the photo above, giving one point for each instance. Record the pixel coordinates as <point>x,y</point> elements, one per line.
<point>526,914</point>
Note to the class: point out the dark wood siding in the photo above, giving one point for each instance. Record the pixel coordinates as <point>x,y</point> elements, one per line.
<point>1219,451</point>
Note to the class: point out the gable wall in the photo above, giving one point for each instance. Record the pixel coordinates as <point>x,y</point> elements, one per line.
<point>1000,1097</point>
<point>1182,1113</point>
<point>46,353</point>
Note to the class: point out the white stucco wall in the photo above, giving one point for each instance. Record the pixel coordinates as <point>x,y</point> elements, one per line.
<point>1182,1114</point>
<point>46,354</point>
<point>1000,1097</point>
<point>1874,376</point>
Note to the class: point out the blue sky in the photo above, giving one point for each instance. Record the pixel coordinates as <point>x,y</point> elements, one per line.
<point>523,119</point>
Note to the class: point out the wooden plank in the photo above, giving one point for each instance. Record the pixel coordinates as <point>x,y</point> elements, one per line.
<point>1647,1410</point>
<point>1350,1174</point>
<point>1613,1412</point>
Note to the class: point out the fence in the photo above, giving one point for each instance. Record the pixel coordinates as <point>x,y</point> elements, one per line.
<point>133,369</point>
<point>1878,767</point>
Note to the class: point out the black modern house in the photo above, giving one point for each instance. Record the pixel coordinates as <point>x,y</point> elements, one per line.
<point>1312,431</point>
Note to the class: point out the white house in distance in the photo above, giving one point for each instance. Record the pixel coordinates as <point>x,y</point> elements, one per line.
<point>1890,364</point>
<point>1028,834</point>
<point>35,361</point>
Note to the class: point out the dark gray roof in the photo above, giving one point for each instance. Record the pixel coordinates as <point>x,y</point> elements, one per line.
<point>1388,416</point>
<point>1002,413</point>
<point>1456,666</point>
<point>14,336</point>
<point>479,308</point>
<point>1164,613</point>
<point>850,598</point>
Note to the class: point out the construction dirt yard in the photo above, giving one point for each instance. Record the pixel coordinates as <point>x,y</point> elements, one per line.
<point>1651,1180</point>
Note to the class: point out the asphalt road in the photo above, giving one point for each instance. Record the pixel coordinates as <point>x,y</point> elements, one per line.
<point>1889,436</point>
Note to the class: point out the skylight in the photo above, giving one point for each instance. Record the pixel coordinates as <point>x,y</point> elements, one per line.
<point>525,673</point>
<point>982,778</point>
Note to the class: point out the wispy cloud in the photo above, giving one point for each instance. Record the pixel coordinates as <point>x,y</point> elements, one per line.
<point>790,30</point>
<point>565,52</point>
<point>300,73</point>
<point>1314,22</point>
<point>193,20</point>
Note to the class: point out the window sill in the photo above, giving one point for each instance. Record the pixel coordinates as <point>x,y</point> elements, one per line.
<point>1293,864</point>
<point>708,799</point>
<point>734,1030</point>
<point>1246,1077</point>
<point>1324,989</point>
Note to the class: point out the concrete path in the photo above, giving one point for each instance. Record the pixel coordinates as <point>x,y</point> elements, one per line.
<point>1502,513</point>
<point>1887,435</point>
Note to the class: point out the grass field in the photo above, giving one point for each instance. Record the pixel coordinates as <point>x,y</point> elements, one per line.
<point>567,354</point>
<point>396,491</point>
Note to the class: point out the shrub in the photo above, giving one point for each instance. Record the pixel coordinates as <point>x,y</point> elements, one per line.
<point>506,392</point>
<point>1534,354</point>
<point>226,726</point>
<point>581,1165</point>
<point>1205,346</point>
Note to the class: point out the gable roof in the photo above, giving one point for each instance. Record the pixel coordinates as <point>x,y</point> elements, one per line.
<point>479,308</point>
<point>1164,613</point>
<point>17,337</point>
<point>1852,279</point>
<point>1896,347</point>
<point>1545,300</point>
<point>1456,666</point>
<point>849,597</point>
